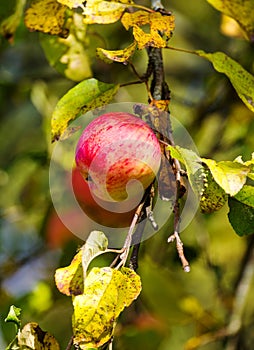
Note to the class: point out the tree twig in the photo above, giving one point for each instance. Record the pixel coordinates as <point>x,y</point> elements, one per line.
<point>69,346</point>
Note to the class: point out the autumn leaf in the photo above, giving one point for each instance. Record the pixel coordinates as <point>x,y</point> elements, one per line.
<point>161,28</point>
<point>70,279</point>
<point>106,293</point>
<point>72,3</point>
<point>240,10</point>
<point>32,337</point>
<point>102,11</point>
<point>231,176</point>
<point>87,95</point>
<point>242,81</point>
<point>47,16</point>
<point>122,56</point>
<point>69,55</point>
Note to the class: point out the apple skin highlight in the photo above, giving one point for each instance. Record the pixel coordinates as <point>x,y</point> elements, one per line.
<point>119,155</point>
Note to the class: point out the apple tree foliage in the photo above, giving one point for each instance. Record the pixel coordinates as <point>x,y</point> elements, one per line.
<point>68,29</point>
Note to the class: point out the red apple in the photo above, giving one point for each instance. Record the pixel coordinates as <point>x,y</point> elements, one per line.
<point>96,209</point>
<point>119,155</point>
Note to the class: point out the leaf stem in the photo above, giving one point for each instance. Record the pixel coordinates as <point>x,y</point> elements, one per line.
<point>142,8</point>
<point>132,83</point>
<point>193,52</point>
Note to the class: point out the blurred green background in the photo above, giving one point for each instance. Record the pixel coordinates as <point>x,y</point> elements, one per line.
<point>174,307</point>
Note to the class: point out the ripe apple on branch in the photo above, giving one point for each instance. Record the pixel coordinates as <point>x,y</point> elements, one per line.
<point>119,155</point>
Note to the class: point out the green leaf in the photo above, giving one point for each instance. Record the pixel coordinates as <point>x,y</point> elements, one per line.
<point>106,293</point>
<point>193,165</point>
<point>242,81</point>
<point>87,95</point>
<point>32,337</point>
<point>213,197</point>
<point>241,217</point>
<point>9,26</point>
<point>239,10</point>
<point>231,176</point>
<point>122,56</point>
<point>96,244</point>
<point>70,279</point>
<point>13,316</point>
<point>246,195</point>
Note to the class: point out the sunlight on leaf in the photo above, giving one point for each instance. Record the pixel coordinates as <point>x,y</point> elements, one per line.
<point>70,279</point>
<point>249,163</point>
<point>95,245</point>
<point>47,16</point>
<point>231,176</point>
<point>69,56</point>
<point>240,10</point>
<point>122,56</point>
<point>161,28</point>
<point>193,165</point>
<point>230,27</point>
<point>9,25</point>
<point>32,337</point>
<point>13,316</point>
<point>87,95</point>
<point>102,11</point>
<point>106,293</point>
<point>242,80</point>
<point>72,3</point>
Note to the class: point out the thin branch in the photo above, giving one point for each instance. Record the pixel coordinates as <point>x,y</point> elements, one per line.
<point>69,346</point>
<point>132,83</point>
<point>128,239</point>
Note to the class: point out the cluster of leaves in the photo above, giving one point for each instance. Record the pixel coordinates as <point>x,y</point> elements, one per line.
<point>31,336</point>
<point>216,182</point>
<point>99,295</point>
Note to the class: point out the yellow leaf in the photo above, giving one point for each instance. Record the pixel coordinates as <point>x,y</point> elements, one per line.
<point>242,80</point>
<point>231,176</point>
<point>106,293</point>
<point>72,3</point>
<point>47,16</point>
<point>122,56</point>
<point>102,11</point>
<point>69,280</point>
<point>240,10</point>
<point>161,27</point>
